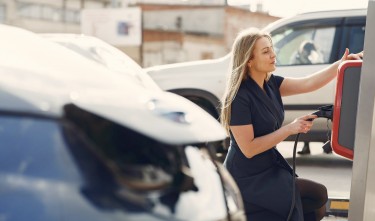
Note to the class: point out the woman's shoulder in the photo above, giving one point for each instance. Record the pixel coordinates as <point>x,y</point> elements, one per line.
<point>276,80</point>
<point>276,77</point>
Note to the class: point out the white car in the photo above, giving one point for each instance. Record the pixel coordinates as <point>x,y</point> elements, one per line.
<point>105,54</point>
<point>325,34</point>
<point>82,142</point>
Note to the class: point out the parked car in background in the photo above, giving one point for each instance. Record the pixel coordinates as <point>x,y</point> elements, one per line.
<point>81,142</point>
<point>303,44</point>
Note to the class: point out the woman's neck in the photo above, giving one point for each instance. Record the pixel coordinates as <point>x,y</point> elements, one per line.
<point>258,78</point>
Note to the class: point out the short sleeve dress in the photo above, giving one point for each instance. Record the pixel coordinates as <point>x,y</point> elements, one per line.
<point>265,180</point>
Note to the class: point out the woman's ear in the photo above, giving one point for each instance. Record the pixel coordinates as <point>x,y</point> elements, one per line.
<point>249,63</point>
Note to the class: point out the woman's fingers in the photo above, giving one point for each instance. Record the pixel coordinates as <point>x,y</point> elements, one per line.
<point>309,117</point>
<point>345,56</point>
<point>354,57</point>
<point>305,123</point>
<point>357,56</point>
<point>360,54</point>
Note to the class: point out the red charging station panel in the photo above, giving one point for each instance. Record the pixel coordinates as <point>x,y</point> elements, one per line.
<point>345,108</point>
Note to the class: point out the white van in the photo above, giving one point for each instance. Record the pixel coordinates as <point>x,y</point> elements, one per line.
<point>328,32</point>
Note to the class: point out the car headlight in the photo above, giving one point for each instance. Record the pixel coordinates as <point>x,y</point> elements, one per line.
<point>232,194</point>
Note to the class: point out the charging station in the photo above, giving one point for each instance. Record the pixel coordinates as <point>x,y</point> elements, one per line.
<point>353,123</point>
<point>345,108</point>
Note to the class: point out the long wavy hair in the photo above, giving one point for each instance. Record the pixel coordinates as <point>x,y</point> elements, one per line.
<point>242,52</point>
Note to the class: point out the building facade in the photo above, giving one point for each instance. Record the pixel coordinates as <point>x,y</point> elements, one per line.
<point>187,31</point>
<point>177,33</point>
<point>47,15</point>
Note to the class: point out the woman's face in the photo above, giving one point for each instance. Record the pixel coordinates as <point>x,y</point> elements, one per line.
<point>264,58</point>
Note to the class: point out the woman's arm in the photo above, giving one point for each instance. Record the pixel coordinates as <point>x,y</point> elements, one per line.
<point>292,86</point>
<point>250,146</point>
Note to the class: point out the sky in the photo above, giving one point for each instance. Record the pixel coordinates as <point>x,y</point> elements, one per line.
<point>285,8</point>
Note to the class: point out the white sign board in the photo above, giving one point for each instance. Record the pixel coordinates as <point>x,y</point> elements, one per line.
<point>120,27</point>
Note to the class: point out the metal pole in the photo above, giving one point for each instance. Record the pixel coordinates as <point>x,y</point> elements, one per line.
<point>362,193</point>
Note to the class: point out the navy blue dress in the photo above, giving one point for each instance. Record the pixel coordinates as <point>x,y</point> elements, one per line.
<point>265,180</point>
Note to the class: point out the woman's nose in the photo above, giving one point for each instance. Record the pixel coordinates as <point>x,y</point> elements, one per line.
<point>273,54</point>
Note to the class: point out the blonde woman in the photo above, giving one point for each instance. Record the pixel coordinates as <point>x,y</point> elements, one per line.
<point>253,113</point>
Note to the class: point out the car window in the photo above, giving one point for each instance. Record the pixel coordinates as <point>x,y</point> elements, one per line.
<point>301,46</point>
<point>356,38</point>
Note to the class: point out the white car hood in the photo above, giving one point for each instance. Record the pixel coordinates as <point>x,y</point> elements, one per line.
<point>163,116</point>
<point>44,77</point>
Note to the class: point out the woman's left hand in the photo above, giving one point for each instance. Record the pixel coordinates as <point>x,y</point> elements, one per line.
<point>347,56</point>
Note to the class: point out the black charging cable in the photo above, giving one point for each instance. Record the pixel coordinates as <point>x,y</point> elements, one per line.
<point>323,111</point>
<point>294,178</point>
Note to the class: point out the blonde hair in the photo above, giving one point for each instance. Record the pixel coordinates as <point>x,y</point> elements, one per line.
<point>242,52</point>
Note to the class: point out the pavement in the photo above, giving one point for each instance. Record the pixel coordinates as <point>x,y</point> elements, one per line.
<point>311,166</point>
<point>332,218</point>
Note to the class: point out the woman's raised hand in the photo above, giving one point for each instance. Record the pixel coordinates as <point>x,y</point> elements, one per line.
<point>348,56</point>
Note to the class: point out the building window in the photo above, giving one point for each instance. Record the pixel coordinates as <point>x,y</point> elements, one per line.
<point>2,13</point>
<point>49,13</point>
<point>29,10</point>
<point>72,16</point>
